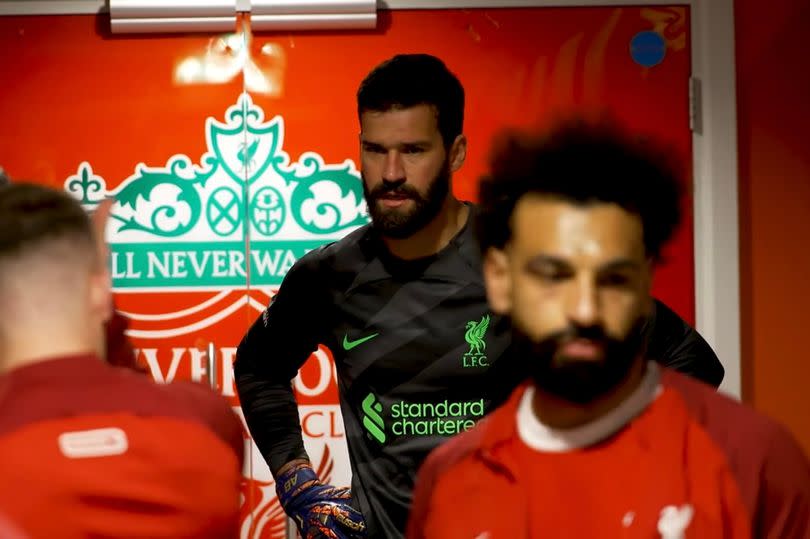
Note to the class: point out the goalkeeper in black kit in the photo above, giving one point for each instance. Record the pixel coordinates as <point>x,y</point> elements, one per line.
<point>401,304</point>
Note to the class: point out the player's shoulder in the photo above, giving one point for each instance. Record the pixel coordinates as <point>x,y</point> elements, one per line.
<point>445,459</point>
<point>704,403</point>
<point>184,397</point>
<point>198,396</point>
<point>494,432</point>
<point>469,447</point>
<point>88,387</point>
<point>139,392</point>
<point>771,470</point>
<point>345,254</point>
<point>736,427</point>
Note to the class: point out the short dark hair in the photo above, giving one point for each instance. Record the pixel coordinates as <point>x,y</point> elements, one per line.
<point>33,215</point>
<point>408,80</point>
<point>582,163</point>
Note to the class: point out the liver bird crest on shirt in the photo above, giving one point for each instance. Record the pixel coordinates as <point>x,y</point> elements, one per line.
<point>475,335</point>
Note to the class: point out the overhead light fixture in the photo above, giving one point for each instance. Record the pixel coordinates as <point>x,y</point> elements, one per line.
<point>154,16</point>
<point>290,15</point>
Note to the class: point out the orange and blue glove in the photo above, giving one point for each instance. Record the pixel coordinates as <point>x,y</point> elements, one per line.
<point>320,511</point>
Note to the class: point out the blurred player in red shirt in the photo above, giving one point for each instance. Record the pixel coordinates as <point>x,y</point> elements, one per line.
<point>88,449</point>
<point>599,442</point>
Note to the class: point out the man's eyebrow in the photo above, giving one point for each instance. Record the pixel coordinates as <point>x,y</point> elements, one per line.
<point>399,146</point>
<point>547,260</point>
<point>621,264</point>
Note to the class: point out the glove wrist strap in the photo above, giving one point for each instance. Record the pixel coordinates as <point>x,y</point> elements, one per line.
<point>293,482</point>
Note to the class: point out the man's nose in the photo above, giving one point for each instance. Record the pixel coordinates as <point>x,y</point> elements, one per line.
<point>393,169</point>
<point>583,303</point>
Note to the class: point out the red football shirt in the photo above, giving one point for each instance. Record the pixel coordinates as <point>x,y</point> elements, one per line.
<point>91,450</point>
<point>675,460</point>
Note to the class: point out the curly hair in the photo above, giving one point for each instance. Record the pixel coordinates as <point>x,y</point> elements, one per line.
<point>584,164</point>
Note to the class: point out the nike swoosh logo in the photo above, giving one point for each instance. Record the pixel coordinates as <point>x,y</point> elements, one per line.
<point>348,345</point>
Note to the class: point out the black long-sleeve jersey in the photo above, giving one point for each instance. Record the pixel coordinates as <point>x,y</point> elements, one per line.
<point>419,358</point>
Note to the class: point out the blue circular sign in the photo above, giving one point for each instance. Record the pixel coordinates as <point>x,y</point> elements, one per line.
<point>648,48</point>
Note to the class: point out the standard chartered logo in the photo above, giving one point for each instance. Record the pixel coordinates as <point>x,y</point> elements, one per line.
<point>372,420</point>
<point>444,418</point>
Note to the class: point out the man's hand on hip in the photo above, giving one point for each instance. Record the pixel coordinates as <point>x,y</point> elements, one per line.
<point>319,510</point>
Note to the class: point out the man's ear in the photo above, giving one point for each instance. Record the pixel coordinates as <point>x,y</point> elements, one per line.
<point>498,281</point>
<point>647,282</point>
<point>458,153</point>
<point>100,291</point>
<point>101,301</point>
<point>99,219</point>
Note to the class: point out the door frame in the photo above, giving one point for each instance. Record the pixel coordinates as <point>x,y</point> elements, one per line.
<point>714,150</point>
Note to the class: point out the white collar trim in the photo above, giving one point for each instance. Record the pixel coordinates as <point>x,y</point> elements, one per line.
<point>541,437</point>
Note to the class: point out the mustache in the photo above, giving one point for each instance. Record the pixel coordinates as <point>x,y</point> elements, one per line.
<point>571,333</point>
<point>399,188</point>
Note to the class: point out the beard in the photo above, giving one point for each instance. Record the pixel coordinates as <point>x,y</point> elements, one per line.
<point>578,380</point>
<point>399,223</point>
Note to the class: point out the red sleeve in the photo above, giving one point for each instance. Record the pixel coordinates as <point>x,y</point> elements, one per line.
<point>784,508</point>
<point>768,465</point>
<point>736,516</point>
